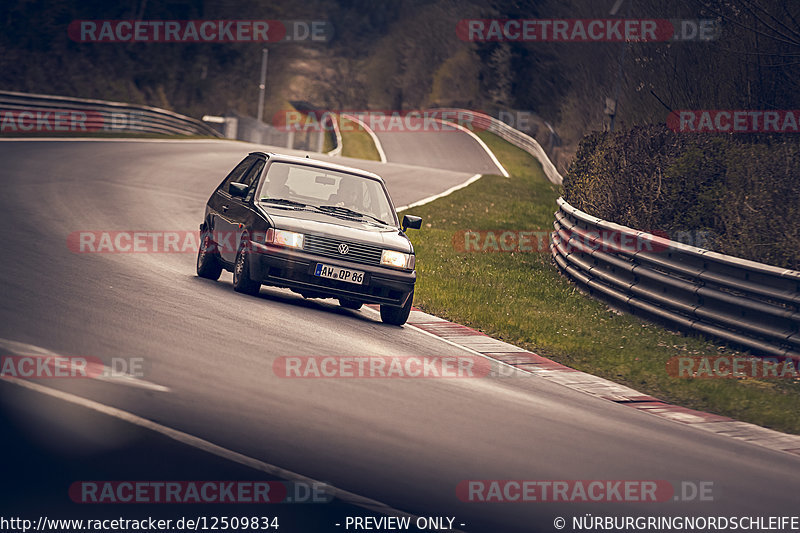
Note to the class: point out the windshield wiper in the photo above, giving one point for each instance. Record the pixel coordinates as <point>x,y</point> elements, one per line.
<point>283,201</point>
<point>346,211</point>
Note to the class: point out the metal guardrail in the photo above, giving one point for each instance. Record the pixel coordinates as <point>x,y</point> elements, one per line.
<point>252,130</point>
<point>514,136</point>
<point>740,301</point>
<point>27,113</point>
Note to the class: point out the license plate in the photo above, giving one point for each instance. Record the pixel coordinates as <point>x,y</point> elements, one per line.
<point>339,274</point>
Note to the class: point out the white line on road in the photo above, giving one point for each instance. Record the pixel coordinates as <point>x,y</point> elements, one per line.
<point>429,199</point>
<point>101,374</point>
<point>209,447</point>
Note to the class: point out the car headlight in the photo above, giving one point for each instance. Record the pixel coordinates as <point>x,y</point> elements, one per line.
<point>397,259</point>
<point>281,237</point>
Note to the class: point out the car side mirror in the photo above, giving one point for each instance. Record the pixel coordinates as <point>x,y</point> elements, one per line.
<point>238,189</point>
<point>412,222</point>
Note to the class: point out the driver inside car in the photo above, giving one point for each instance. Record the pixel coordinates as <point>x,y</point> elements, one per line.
<point>348,195</point>
<point>276,187</point>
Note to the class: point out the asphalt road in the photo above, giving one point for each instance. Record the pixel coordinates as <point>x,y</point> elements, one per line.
<point>433,144</point>
<point>49,445</point>
<point>407,443</point>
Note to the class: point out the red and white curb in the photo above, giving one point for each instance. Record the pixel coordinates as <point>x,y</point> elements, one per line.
<point>537,365</point>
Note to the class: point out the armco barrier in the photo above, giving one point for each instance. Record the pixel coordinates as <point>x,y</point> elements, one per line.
<point>26,113</point>
<point>252,130</point>
<point>747,303</point>
<point>513,136</point>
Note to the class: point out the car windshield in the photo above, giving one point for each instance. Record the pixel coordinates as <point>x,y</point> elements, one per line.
<point>336,193</point>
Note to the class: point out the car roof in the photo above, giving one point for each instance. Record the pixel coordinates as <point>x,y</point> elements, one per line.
<point>273,156</point>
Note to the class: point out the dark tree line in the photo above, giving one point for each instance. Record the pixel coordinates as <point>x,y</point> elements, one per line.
<point>405,54</point>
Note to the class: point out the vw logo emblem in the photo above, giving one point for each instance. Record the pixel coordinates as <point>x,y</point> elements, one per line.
<point>344,249</point>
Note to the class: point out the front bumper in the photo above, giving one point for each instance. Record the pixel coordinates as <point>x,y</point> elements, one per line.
<point>293,269</point>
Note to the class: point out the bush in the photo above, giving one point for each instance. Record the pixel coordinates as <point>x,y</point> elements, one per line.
<point>742,192</point>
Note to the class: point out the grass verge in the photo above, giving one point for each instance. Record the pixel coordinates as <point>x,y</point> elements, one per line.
<point>356,142</point>
<point>523,299</point>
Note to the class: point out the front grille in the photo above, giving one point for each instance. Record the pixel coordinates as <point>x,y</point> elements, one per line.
<point>328,247</point>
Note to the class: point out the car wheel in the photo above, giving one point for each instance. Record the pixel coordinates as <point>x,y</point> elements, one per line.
<point>241,273</point>
<point>397,316</point>
<point>208,265</point>
<point>347,303</point>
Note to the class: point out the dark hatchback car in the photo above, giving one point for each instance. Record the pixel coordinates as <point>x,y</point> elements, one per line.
<point>319,229</point>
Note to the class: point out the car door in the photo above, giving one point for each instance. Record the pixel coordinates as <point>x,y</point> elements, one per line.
<point>223,223</point>
<point>240,211</point>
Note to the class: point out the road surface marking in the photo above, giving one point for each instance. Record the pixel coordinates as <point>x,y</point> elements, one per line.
<point>378,145</point>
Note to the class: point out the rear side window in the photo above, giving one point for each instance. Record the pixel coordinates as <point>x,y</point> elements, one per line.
<point>237,173</point>
<point>251,178</point>
<point>253,173</point>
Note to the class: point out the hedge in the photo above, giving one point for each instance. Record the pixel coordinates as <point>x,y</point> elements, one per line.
<point>736,194</point>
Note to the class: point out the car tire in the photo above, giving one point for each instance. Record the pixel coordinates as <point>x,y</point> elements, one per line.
<point>347,303</point>
<point>208,265</point>
<point>397,316</point>
<point>241,273</point>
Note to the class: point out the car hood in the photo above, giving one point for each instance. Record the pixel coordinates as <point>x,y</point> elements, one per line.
<point>315,222</point>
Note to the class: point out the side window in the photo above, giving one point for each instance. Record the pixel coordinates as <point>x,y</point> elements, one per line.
<point>253,173</point>
<point>251,179</point>
<point>236,174</point>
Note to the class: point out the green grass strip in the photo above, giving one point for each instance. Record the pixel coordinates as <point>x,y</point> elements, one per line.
<point>356,142</point>
<point>522,298</point>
